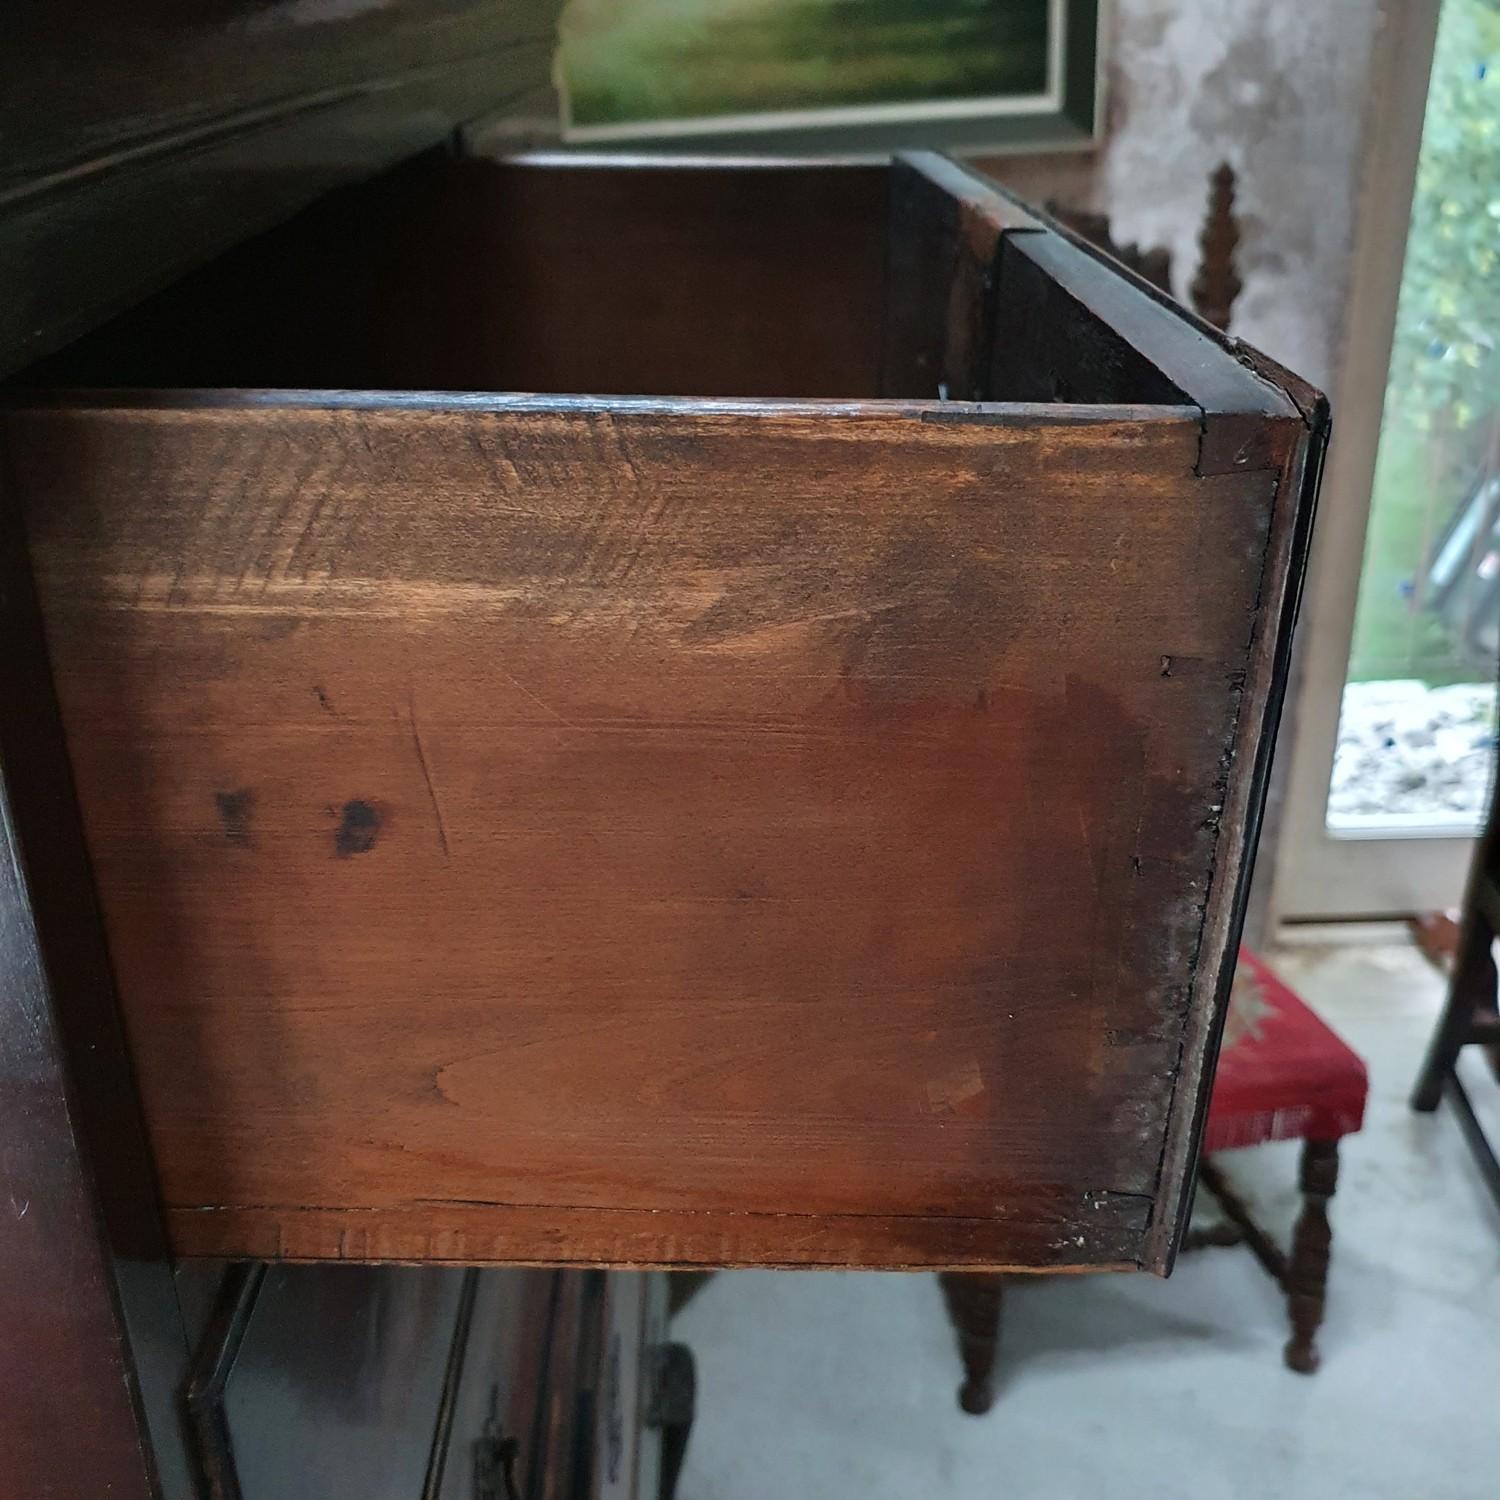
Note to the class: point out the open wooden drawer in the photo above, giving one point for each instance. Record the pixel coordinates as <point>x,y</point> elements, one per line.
<point>787,804</point>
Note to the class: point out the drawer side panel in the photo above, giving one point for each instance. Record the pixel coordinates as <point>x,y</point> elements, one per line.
<point>798,826</point>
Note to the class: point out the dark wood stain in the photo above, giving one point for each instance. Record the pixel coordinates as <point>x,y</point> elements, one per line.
<point>235,812</point>
<point>359,826</point>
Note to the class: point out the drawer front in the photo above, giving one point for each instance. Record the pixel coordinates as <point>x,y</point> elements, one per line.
<point>679,832</point>
<point>400,1382</point>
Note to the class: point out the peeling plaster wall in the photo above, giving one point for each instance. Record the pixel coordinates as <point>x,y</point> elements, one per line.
<point>1281,89</point>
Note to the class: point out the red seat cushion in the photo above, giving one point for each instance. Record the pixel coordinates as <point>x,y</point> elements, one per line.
<point>1282,1073</point>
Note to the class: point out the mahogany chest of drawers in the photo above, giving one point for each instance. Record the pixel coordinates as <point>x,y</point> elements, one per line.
<point>574,714</point>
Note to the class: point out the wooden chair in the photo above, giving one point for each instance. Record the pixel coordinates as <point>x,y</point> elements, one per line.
<point>1471,1016</point>
<point>1283,1075</point>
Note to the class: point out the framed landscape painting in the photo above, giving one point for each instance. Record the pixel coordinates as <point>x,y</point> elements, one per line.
<point>819,75</point>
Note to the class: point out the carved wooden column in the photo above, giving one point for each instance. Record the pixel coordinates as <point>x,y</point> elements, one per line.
<point>1217,285</point>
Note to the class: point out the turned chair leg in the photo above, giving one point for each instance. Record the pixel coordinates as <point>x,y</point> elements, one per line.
<point>1307,1267</point>
<point>1471,990</point>
<point>973,1299</point>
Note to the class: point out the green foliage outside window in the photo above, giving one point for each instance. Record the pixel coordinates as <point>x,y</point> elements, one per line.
<point>1441,432</point>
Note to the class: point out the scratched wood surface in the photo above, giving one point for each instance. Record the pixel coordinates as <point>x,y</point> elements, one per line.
<point>639,832</point>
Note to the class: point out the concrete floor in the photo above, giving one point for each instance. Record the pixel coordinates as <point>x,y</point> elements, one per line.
<point>825,1386</point>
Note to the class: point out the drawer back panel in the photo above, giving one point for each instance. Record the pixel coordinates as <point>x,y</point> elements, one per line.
<point>534,276</point>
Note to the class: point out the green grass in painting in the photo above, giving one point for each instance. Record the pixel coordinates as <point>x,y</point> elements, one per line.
<point>679,59</point>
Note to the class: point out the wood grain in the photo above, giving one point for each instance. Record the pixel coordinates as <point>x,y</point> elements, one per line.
<point>1039,1232</point>
<point>519,813</point>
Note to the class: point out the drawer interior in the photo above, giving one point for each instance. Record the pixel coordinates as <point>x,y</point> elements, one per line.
<point>539,276</point>
<point>567,274</point>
